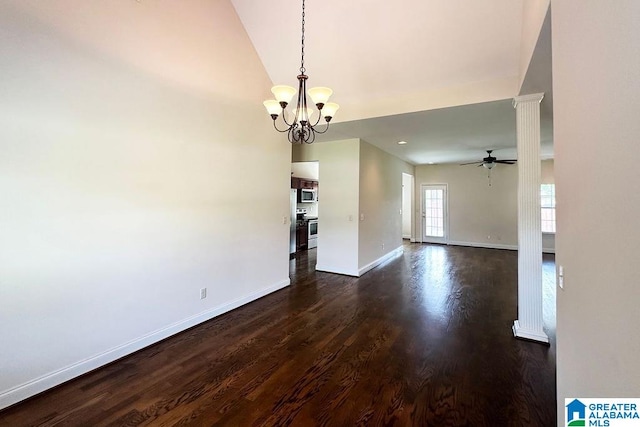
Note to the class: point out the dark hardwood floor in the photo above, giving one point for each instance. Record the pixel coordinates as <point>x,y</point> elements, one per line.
<point>424,340</point>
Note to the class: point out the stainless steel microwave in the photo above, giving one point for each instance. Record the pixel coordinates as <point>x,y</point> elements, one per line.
<point>308,195</point>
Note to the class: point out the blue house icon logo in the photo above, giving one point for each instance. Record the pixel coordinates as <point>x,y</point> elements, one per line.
<point>576,413</point>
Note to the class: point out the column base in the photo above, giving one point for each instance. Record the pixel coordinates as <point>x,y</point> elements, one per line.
<point>528,334</point>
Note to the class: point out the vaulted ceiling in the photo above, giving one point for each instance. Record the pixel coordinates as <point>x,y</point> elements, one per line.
<point>439,74</point>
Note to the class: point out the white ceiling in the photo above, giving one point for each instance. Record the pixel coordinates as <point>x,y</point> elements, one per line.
<point>439,74</point>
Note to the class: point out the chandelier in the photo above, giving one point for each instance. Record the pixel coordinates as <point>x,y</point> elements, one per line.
<point>300,127</point>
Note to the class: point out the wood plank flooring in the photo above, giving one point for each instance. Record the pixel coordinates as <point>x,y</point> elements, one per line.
<point>424,340</point>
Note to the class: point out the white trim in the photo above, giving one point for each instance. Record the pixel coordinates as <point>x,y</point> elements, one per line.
<point>414,240</point>
<point>324,269</point>
<point>397,251</point>
<point>520,332</point>
<point>548,251</point>
<point>484,245</point>
<point>47,381</point>
<point>423,238</point>
<point>406,236</point>
<point>535,97</point>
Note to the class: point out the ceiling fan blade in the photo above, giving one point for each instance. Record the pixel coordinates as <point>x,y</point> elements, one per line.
<point>507,162</point>
<point>472,163</point>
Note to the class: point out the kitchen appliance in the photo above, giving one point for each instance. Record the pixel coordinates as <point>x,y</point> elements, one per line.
<point>313,233</point>
<point>308,195</point>
<point>301,213</point>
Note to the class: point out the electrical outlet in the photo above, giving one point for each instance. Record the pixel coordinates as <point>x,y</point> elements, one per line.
<point>361,217</point>
<point>284,219</point>
<point>203,293</point>
<point>350,217</point>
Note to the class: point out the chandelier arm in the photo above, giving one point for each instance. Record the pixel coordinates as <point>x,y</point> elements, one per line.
<point>318,120</point>
<point>322,131</point>
<point>309,135</point>
<point>296,134</point>
<point>282,131</point>
<point>302,96</point>
<point>312,137</point>
<point>284,118</point>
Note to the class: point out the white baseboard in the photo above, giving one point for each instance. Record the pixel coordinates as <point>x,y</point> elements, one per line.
<point>484,245</point>
<point>397,251</point>
<point>548,251</point>
<point>406,236</point>
<point>527,334</point>
<point>45,382</point>
<point>325,269</point>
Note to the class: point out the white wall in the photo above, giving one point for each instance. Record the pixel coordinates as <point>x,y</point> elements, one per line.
<point>479,214</point>
<point>380,204</point>
<point>534,12</point>
<point>122,125</point>
<point>307,170</point>
<point>595,75</point>
<point>338,206</point>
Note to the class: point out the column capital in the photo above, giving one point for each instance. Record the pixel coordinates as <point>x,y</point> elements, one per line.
<point>534,97</point>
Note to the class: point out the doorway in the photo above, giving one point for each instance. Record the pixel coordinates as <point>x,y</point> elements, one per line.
<point>407,206</point>
<point>434,213</point>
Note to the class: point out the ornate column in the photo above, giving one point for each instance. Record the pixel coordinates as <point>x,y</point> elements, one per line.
<point>530,323</point>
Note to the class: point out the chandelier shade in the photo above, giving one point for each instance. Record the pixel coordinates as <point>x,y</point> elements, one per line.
<point>330,109</point>
<point>299,125</point>
<point>320,95</point>
<point>273,107</point>
<point>283,93</point>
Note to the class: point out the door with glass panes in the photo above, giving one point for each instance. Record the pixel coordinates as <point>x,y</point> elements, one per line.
<point>434,213</point>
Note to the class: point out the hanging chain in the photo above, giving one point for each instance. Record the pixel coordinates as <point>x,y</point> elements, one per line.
<point>302,69</point>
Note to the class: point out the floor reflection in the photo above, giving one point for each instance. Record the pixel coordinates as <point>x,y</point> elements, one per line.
<point>436,282</point>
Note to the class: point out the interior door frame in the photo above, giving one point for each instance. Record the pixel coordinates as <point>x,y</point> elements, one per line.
<point>442,240</point>
<point>412,211</point>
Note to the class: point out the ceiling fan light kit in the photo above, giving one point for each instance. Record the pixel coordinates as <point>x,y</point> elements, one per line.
<point>300,126</point>
<point>490,162</point>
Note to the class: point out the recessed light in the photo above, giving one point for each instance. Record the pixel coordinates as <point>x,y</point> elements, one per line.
<point>402,142</point>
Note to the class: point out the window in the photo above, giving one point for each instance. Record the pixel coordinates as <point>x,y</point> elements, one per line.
<point>548,207</point>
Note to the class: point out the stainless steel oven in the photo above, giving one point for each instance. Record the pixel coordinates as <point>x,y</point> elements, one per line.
<point>313,234</point>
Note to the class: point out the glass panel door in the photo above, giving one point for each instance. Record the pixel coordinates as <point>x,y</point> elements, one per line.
<point>434,213</point>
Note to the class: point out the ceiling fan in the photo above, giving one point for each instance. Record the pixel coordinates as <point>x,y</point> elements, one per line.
<point>489,162</point>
